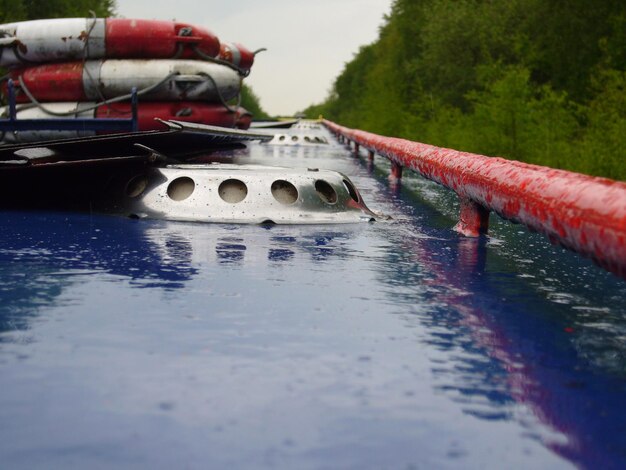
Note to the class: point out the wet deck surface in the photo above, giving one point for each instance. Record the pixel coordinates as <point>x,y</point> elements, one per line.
<point>152,344</point>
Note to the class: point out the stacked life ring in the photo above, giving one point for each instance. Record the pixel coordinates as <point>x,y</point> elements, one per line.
<point>87,67</point>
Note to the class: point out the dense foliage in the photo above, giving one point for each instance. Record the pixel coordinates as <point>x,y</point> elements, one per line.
<point>250,101</point>
<point>543,81</point>
<point>21,10</point>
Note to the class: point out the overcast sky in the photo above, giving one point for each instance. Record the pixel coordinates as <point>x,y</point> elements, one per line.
<point>308,41</point>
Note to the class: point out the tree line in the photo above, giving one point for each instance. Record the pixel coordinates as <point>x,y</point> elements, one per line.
<point>22,10</point>
<point>542,81</point>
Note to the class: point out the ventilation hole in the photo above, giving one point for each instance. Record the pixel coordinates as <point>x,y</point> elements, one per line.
<point>284,192</point>
<point>326,192</point>
<point>181,188</point>
<point>307,139</point>
<point>233,191</point>
<point>294,138</point>
<point>136,186</point>
<point>268,222</point>
<point>281,138</point>
<point>352,190</point>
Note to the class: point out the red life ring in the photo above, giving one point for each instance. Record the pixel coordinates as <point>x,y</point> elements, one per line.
<point>244,118</point>
<point>187,111</point>
<point>191,111</point>
<point>66,39</point>
<point>158,39</point>
<point>237,55</point>
<point>95,80</point>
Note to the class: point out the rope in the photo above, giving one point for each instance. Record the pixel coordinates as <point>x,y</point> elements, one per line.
<point>219,94</point>
<point>14,46</point>
<point>208,58</point>
<point>94,18</point>
<point>117,99</point>
<point>20,57</point>
<point>179,51</point>
<point>188,31</point>
<point>86,55</point>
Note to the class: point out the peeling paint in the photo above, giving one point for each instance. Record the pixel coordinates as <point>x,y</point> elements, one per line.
<point>582,213</point>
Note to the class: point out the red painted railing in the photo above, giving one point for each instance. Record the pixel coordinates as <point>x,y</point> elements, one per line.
<point>583,213</point>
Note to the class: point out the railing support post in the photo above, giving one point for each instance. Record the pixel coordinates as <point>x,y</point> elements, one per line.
<point>370,156</point>
<point>356,149</point>
<point>473,219</point>
<point>396,171</point>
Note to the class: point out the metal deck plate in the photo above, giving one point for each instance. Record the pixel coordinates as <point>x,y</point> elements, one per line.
<point>158,344</point>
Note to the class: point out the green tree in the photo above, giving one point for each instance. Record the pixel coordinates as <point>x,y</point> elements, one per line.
<point>251,102</point>
<point>605,138</point>
<point>535,80</point>
<point>22,10</point>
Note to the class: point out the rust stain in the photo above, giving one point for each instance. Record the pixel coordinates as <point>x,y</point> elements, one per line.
<point>21,46</point>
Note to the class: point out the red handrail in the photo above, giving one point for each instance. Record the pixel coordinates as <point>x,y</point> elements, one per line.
<point>583,213</point>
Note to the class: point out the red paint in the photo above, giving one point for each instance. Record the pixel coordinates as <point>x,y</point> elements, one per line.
<point>583,213</point>
<point>212,114</point>
<point>237,55</point>
<point>396,171</point>
<point>56,82</point>
<point>102,79</point>
<point>157,39</point>
<point>244,118</point>
<point>473,219</point>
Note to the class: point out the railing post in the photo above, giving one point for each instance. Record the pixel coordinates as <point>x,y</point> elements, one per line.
<point>370,161</point>
<point>12,107</point>
<point>356,149</point>
<point>135,113</point>
<point>396,171</point>
<point>473,219</point>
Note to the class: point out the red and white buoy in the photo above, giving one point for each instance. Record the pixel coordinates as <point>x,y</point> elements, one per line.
<point>238,55</point>
<point>186,111</point>
<point>96,38</point>
<point>104,79</point>
<point>244,118</point>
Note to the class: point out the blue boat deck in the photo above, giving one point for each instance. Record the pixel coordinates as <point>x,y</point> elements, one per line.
<point>395,344</point>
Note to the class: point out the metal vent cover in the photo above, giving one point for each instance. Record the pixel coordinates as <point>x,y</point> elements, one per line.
<point>249,194</point>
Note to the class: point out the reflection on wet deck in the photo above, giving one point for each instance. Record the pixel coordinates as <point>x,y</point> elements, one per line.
<point>393,344</point>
